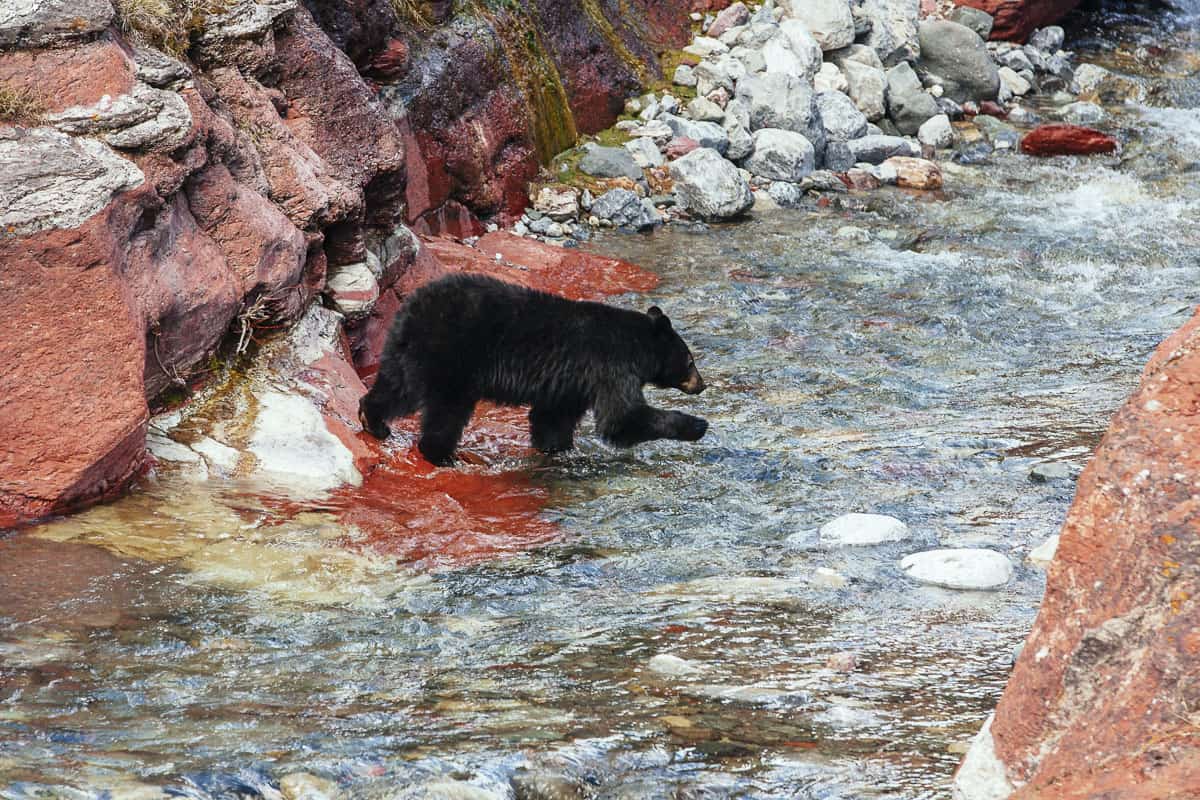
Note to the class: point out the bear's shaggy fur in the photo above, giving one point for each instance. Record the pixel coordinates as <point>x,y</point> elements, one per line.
<point>467,338</point>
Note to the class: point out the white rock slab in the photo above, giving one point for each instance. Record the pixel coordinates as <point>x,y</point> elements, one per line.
<point>863,529</point>
<point>965,568</point>
<point>1043,554</point>
<point>674,666</point>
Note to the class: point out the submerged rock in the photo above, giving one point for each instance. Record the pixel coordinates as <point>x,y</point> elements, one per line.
<point>863,529</point>
<point>1060,140</point>
<point>710,187</point>
<point>966,568</point>
<point>674,666</point>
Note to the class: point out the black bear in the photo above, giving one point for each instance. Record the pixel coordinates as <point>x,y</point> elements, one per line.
<point>467,338</point>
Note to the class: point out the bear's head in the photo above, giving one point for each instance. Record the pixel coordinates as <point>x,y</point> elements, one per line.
<point>675,365</point>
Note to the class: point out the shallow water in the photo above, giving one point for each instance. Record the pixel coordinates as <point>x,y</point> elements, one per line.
<point>905,354</point>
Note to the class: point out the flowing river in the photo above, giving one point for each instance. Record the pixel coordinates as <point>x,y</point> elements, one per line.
<point>899,353</point>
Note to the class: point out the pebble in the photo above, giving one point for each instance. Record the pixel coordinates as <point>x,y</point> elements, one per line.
<point>674,666</point>
<point>863,529</point>
<point>965,568</point>
<point>1043,554</point>
<point>1052,471</point>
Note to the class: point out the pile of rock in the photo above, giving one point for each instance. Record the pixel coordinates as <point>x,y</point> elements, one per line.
<point>800,96</point>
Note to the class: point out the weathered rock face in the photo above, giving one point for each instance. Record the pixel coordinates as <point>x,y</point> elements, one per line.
<point>1016,19</point>
<point>482,101</point>
<point>1103,699</point>
<point>163,205</point>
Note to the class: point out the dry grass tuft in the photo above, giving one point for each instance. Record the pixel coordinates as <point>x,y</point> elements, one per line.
<point>411,12</point>
<point>20,105</point>
<point>166,25</point>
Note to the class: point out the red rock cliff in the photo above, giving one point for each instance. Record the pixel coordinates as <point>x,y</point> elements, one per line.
<point>151,207</point>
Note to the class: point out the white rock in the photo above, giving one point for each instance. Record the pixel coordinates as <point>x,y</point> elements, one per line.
<point>937,132</point>
<point>780,155</point>
<point>645,152</point>
<point>51,180</point>
<point>656,129</point>
<point>1015,83</point>
<point>222,458</point>
<point>965,568</point>
<point>164,448</point>
<point>863,529</point>
<point>295,449</point>
<point>1082,113</point>
<point>674,666</point>
<point>840,117</point>
<point>684,76</point>
<point>982,775</point>
<point>710,187</point>
<point>865,85</point>
<point>829,579</point>
<point>893,32</point>
<point>829,21</point>
<point>703,46</point>
<point>559,203</point>
<point>1088,78</point>
<point>1043,554</point>
<point>702,109</point>
<point>830,79</point>
<point>353,289</point>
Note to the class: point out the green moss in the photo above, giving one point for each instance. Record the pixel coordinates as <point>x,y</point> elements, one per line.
<point>602,24</point>
<point>535,72</point>
<point>668,61</point>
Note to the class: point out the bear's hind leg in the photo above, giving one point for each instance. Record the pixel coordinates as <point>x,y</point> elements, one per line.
<point>553,431</point>
<point>442,425</point>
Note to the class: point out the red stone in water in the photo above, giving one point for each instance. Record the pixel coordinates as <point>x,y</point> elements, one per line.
<point>445,517</point>
<point>993,109</point>
<point>1063,140</point>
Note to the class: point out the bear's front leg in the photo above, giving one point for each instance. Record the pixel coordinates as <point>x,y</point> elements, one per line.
<point>553,431</point>
<point>441,427</point>
<point>644,423</point>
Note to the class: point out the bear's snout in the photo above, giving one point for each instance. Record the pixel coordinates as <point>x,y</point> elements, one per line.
<point>693,383</point>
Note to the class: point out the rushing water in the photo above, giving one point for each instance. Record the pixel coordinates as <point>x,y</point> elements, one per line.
<point>905,354</point>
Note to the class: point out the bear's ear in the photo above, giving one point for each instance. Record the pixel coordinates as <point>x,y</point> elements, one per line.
<point>661,321</point>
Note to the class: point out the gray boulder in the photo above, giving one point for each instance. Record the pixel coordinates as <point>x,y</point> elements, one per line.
<point>893,33</point>
<point>876,149</point>
<point>908,104</point>
<point>954,56</point>
<point>625,209</point>
<point>723,72</point>
<point>859,53</point>
<point>829,21</point>
<point>33,23</point>
<point>785,102</point>
<point>741,143</point>
<point>710,187</point>
<point>708,134</point>
<point>866,88</point>
<point>750,58</point>
<point>976,19</point>
<point>838,157</point>
<point>610,162</point>
<point>780,155</point>
<point>792,51</point>
<point>936,132</point>
<point>701,109</point>
<point>785,194</point>
<point>645,152</point>
<point>840,117</point>
<point>1049,39</point>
